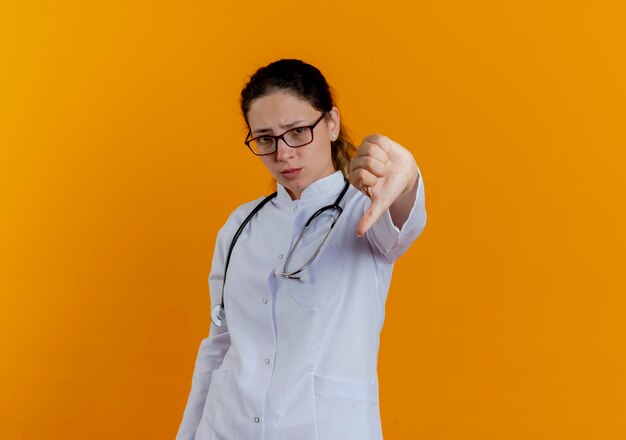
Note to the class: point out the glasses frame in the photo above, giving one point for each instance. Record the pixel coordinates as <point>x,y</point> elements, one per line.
<point>281,136</point>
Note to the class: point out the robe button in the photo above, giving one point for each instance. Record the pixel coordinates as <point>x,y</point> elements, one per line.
<point>280,257</point>
<point>256,420</point>
<point>264,300</point>
<point>267,361</point>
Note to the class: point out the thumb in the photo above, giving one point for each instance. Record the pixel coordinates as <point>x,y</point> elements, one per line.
<point>372,215</point>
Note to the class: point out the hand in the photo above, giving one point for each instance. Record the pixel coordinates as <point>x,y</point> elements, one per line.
<point>384,171</point>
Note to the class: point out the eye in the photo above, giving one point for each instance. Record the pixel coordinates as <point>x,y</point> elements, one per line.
<point>265,140</point>
<point>299,132</point>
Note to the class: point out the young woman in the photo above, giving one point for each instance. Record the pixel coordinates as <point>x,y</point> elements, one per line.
<point>298,292</point>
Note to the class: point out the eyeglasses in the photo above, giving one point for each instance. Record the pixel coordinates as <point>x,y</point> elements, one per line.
<point>294,138</point>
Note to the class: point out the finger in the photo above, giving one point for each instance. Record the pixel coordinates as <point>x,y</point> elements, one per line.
<point>368,163</point>
<point>373,150</point>
<point>362,179</point>
<point>378,139</point>
<point>371,216</point>
<point>387,144</point>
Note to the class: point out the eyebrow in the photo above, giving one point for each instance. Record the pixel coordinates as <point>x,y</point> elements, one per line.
<point>265,130</point>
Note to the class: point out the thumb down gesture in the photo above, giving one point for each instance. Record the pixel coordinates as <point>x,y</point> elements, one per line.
<point>387,173</point>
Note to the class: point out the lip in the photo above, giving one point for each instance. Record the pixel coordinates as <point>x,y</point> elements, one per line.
<point>290,173</point>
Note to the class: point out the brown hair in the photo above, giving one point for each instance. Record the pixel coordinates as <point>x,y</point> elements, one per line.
<point>306,82</point>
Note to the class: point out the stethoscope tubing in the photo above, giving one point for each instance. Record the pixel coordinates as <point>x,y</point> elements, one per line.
<point>218,313</point>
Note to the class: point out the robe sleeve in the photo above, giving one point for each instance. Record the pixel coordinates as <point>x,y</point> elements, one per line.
<point>211,352</point>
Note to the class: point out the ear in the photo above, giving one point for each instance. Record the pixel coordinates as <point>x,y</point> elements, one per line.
<point>334,122</point>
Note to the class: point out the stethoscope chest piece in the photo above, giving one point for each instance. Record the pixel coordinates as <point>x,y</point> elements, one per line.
<point>218,315</point>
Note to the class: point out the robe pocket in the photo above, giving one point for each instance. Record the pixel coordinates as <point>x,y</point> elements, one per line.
<point>316,288</point>
<point>218,377</point>
<point>346,409</point>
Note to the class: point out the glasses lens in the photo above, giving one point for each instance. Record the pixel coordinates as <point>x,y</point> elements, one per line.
<point>262,145</point>
<point>299,136</point>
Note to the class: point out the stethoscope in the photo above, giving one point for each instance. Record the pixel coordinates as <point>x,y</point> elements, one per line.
<point>218,314</point>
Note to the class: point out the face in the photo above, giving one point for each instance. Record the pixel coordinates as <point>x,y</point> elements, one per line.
<point>294,168</point>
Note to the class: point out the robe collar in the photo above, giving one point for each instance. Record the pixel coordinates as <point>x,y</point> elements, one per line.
<point>329,186</point>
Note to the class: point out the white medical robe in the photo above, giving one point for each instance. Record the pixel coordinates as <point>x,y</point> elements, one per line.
<point>296,360</point>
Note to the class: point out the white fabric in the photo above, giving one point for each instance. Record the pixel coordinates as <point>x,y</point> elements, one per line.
<point>296,360</point>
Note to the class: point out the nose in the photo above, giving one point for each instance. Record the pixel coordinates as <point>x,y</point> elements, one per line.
<point>283,151</point>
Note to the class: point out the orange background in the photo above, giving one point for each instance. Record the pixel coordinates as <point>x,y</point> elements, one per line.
<point>121,155</point>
